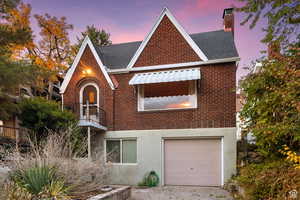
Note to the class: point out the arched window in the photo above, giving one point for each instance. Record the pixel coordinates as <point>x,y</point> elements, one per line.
<point>89,100</point>
<point>89,95</point>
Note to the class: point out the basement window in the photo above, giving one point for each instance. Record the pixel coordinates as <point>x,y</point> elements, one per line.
<point>121,151</point>
<point>167,96</point>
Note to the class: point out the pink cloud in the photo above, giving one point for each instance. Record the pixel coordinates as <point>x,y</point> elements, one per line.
<point>191,8</point>
<point>125,34</point>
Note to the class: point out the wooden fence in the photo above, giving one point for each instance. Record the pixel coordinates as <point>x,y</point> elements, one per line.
<point>17,134</point>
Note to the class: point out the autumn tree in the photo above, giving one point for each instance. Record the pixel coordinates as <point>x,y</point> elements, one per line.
<point>272,103</point>
<point>53,51</point>
<point>272,108</point>
<point>25,61</point>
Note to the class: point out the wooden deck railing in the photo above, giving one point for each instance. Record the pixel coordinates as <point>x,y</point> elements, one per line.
<point>18,134</point>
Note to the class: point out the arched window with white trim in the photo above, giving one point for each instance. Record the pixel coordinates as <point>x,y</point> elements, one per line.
<point>89,101</point>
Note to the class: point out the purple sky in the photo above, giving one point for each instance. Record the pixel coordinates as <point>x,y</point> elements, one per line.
<point>131,20</point>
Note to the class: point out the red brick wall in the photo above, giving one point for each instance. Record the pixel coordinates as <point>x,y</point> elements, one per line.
<point>166,89</point>
<point>166,46</point>
<point>216,99</point>
<point>71,95</point>
<point>216,104</point>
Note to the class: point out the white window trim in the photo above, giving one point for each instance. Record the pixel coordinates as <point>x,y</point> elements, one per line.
<point>121,151</point>
<point>81,96</point>
<point>193,93</point>
<point>176,65</point>
<point>86,43</point>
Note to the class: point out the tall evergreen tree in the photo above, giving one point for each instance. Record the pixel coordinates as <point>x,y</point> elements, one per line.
<point>13,73</point>
<point>98,36</point>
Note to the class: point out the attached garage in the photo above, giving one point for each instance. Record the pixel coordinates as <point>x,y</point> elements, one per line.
<point>193,162</point>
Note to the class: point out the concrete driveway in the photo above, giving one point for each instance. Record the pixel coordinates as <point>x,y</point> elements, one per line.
<point>180,193</point>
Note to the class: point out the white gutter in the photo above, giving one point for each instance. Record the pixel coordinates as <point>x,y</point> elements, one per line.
<point>177,65</point>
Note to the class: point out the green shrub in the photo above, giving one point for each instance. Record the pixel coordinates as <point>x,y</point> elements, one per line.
<point>269,180</point>
<point>271,111</point>
<point>57,189</point>
<point>40,115</point>
<point>150,180</point>
<point>39,181</point>
<point>34,179</point>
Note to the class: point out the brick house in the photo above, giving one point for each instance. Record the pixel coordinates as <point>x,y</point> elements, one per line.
<point>166,103</point>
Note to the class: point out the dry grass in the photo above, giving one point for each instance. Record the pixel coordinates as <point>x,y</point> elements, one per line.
<point>82,174</point>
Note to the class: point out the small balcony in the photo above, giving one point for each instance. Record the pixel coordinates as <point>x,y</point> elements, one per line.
<point>89,115</point>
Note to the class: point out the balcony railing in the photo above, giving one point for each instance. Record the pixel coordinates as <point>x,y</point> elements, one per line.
<point>18,134</point>
<point>88,112</point>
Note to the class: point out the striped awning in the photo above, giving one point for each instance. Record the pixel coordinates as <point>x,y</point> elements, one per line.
<point>165,76</point>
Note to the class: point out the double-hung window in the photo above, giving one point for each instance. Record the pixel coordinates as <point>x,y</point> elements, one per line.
<point>122,151</point>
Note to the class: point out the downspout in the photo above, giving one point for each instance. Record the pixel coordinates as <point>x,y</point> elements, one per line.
<point>62,101</point>
<point>114,103</point>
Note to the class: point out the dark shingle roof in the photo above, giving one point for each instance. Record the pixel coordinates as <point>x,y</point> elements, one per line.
<point>215,45</point>
<point>118,56</point>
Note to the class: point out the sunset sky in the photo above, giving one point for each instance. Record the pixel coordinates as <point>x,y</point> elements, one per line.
<point>131,20</point>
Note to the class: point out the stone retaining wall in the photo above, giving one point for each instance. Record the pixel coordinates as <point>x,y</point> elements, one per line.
<point>121,193</point>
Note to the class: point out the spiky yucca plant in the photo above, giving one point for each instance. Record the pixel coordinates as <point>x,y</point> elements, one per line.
<point>34,179</point>
<point>41,182</point>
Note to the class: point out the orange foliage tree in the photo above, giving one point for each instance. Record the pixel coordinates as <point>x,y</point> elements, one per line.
<point>52,52</point>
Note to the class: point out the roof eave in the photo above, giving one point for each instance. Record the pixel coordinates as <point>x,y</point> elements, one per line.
<point>176,65</point>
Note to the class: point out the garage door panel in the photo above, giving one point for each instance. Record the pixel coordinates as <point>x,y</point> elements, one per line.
<point>193,162</point>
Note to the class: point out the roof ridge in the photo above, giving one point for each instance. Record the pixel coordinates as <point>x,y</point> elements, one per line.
<point>119,44</point>
<point>115,44</point>
<point>220,30</point>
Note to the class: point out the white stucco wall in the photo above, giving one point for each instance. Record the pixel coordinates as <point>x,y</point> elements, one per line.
<point>150,151</point>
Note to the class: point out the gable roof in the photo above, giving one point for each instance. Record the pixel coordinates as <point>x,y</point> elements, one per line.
<point>86,43</point>
<point>216,45</point>
<point>180,29</point>
<point>118,56</point>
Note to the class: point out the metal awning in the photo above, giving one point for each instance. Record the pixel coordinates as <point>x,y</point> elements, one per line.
<point>166,76</point>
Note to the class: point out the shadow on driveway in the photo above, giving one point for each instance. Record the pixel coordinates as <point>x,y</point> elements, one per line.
<point>180,193</point>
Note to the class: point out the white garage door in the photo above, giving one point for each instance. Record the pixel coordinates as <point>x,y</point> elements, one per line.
<point>192,162</point>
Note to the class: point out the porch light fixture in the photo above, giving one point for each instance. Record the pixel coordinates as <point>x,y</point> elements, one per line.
<point>87,71</point>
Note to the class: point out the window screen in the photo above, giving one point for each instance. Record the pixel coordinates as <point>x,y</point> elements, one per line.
<point>113,148</point>
<point>129,153</point>
<point>164,96</point>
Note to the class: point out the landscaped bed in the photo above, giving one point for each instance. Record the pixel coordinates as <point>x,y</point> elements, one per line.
<point>51,170</point>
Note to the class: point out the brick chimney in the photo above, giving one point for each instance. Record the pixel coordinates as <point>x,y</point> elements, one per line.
<point>228,20</point>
